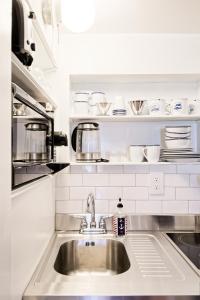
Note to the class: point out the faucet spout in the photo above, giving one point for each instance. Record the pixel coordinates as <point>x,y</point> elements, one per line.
<point>91,209</point>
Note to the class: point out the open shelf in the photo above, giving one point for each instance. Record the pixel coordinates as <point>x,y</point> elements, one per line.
<point>22,77</point>
<point>141,118</point>
<point>117,133</point>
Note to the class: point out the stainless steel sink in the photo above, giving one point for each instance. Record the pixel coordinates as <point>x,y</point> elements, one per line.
<point>97,257</point>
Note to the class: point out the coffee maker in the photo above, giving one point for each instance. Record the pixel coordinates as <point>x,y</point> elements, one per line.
<point>86,142</point>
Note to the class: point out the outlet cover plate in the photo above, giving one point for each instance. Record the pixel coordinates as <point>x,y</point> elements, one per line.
<point>156,183</point>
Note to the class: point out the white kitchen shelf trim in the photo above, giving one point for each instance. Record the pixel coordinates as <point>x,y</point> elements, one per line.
<point>129,163</point>
<point>22,77</point>
<point>141,118</point>
<point>134,78</point>
<point>28,117</point>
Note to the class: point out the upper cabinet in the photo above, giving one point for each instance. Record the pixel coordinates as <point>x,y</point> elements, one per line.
<point>45,32</point>
<point>38,31</point>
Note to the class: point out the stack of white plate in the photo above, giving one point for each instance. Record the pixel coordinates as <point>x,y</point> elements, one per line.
<point>119,112</point>
<point>177,137</point>
<point>178,146</point>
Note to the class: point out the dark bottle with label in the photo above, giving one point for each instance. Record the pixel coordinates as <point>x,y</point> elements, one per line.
<point>119,221</point>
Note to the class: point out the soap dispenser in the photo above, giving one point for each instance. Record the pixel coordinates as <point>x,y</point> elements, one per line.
<point>119,221</point>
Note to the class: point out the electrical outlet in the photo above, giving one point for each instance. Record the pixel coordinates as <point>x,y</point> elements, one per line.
<point>156,184</point>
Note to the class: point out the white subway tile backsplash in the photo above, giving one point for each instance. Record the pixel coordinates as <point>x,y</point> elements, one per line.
<point>110,169</point>
<point>83,169</point>
<point>188,193</point>
<point>151,207</point>
<point>76,169</point>
<point>131,183</point>
<point>168,195</point>
<point>195,180</point>
<point>129,206</point>
<point>177,180</point>
<point>75,180</point>
<point>135,193</point>
<point>62,193</point>
<point>95,179</point>
<point>175,207</point>
<point>61,180</point>
<point>163,168</point>
<point>81,192</point>
<point>136,169</point>
<point>142,179</point>
<point>101,206</point>
<point>108,193</point>
<point>189,168</point>
<point>194,207</point>
<point>69,180</point>
<point>121,179</point>
<point>73,207</point>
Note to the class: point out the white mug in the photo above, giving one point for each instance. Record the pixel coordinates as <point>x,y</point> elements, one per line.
<point>152,153</point>
<point>180,106</point>
<point>136,153</point>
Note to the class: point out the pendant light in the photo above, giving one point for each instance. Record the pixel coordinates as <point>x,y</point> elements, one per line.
<point>78,15</point>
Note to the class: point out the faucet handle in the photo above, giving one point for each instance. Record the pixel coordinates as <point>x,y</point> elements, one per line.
<point>84,223</point>
<point>102,222</point>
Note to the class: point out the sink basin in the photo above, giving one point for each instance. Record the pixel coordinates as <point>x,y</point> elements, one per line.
<point>96,257</point>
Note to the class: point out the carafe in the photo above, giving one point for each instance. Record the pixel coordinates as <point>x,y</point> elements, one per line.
<point>36,142</point>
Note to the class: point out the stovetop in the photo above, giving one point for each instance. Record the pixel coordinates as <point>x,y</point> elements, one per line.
<point>189,244</point>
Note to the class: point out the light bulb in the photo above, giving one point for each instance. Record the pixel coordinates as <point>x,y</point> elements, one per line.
<point>78,15</point>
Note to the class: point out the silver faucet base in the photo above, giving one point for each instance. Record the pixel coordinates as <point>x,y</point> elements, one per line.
<point>92,230</point>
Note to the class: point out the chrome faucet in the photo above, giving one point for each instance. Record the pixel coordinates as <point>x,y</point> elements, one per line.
<point>91,209</point>
<point>91,226</point>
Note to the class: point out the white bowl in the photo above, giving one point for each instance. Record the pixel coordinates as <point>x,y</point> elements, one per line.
<point>178,129</point>
<point>178,144</point>
<point>173,135</point>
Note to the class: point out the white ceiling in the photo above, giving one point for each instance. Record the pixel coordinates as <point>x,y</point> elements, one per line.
<point>146,16</point>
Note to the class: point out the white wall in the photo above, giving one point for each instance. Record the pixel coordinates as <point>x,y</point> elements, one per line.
<point>131,53</point>
<point>146,16</point>
<point>32,226</point>
<point>5,149</point>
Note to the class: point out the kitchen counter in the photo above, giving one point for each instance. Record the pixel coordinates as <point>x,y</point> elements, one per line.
<point>156,269</point>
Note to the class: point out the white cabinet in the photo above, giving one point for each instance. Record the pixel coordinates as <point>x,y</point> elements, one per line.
<point>118,132</point>
<point>34,79</point>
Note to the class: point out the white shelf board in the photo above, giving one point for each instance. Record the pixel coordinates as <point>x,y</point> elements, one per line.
<point>130,78</point>
<point>22,77</point>
<point>28,117</point>
<point>141,118</point>
<point>128,163</point>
